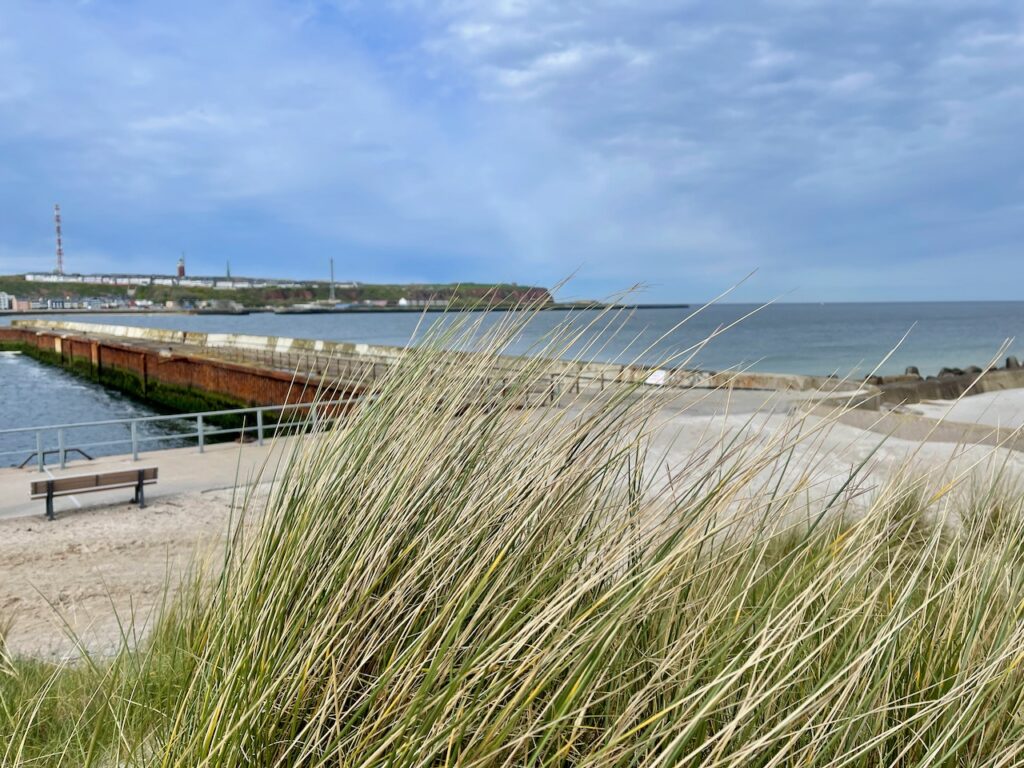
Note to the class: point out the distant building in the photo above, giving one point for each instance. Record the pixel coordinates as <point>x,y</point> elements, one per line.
<point>169,280</point>
<point>7,302</point>
<point>422,302</point>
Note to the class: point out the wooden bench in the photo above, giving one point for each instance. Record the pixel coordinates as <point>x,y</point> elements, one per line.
<point>104,481</point>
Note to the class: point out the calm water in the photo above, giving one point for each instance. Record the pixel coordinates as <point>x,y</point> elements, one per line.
<point>33,394</point>
<point>786,338</point>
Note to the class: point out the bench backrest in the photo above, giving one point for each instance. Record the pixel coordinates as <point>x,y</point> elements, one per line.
<point>101,480</point>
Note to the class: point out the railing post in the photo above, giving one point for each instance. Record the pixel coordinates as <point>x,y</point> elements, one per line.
<point>259,426</point>
<point>60,448</point>
<point>40,457</point>
<point>199,432</point>
<point>135,439</point>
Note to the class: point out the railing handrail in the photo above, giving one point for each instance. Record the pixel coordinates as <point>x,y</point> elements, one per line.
<point>317,409</point>
<point>177,416</point>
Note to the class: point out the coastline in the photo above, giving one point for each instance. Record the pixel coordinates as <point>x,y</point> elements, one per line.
<point>356,309</point>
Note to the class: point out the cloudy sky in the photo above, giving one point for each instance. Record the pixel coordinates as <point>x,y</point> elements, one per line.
<point>845,149</point>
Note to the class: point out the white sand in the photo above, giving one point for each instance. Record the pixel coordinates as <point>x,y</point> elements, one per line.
<point>92,568</point>
<point>1004,409</point>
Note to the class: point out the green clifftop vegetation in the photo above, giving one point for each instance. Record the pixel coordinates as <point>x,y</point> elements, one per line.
<point>461,294</point>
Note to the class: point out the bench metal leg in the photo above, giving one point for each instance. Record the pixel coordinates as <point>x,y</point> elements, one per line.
<point>49,502</point>
<point>140,490</point>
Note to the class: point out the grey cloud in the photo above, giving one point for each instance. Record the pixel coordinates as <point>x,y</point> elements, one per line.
<point>677,143</point>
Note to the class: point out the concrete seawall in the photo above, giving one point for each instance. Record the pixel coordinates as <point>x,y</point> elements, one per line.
<point>177,378</point>
<point>578,374</point>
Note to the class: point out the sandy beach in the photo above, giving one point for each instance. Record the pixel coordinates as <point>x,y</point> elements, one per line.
<point>93,572</point>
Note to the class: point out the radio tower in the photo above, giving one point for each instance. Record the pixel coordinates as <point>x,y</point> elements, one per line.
<point>60,246</point>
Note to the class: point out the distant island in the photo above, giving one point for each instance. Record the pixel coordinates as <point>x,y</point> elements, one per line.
<point>50,292</point>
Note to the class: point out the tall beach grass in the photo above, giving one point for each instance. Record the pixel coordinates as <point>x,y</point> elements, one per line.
<point>458,575</point>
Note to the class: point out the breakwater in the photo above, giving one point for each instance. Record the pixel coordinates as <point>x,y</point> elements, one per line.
<point>349,360</point>
<point>949,384</point>
<point>179,371</point>
<point>174,377</point>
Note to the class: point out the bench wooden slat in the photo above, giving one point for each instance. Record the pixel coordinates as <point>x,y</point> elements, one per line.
<point>74,483</point>
<point>89,488</point>
<point>63,486</point>
<point>122,476</point>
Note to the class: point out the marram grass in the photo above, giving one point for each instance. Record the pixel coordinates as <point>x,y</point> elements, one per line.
<point>453,576</point>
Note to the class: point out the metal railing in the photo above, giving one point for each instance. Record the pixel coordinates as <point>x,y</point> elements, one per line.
<point>204,429</point>
<point>337,368</point>
<point>368,370</point>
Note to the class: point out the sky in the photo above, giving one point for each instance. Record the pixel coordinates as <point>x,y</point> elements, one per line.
<point>839,149</point>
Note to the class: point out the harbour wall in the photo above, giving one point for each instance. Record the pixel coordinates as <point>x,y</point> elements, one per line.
<point>165,377</point>
<point>579,374</point>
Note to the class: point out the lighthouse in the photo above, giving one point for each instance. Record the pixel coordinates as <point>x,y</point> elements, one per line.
<point>181,266</point>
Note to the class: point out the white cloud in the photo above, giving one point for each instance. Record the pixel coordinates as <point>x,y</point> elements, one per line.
<point>854,82</point>
<point>767,56</point>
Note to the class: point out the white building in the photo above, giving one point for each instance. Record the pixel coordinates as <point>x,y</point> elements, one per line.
<point>225,283</point>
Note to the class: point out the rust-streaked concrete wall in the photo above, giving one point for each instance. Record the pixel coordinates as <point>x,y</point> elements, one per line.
<point>236,383</point>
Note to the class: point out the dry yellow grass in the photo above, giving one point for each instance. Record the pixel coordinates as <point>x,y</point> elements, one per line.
<point>447,579</point>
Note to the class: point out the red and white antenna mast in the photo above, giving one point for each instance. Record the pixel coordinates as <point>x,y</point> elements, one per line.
<point>60,245</point>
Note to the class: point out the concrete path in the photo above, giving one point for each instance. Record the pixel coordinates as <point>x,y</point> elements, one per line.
<point>921,429</point>
<point>182,470</point>
<point>1003,409</point>
<point>185,470</point>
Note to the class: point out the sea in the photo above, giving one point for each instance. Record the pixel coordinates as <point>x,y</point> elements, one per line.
<point>846,339</point>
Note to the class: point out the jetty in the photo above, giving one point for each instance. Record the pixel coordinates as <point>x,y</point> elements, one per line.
<point>195,371</point>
